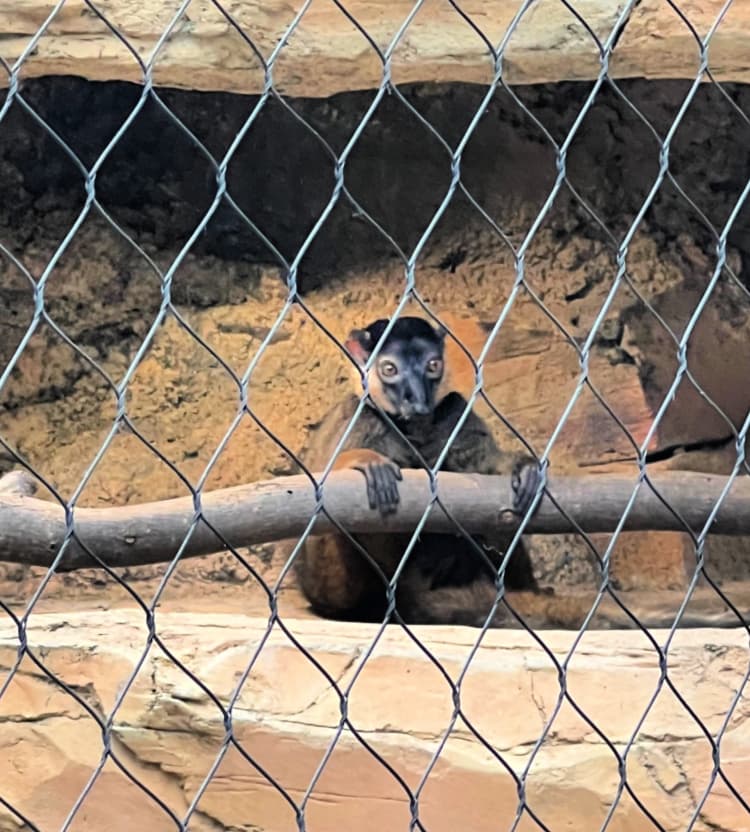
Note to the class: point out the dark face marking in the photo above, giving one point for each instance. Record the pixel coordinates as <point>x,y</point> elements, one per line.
<point>408,369</point>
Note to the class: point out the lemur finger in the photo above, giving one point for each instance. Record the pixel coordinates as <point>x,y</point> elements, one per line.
<point>372,497</point>
<point>377,488</point>
<point>526,479</point>
<point>380,484</point>
<point>515,480</point>
<point>395,497</point>
<point>388,488</point>
<point>377,478</point>
<point>393,476</point>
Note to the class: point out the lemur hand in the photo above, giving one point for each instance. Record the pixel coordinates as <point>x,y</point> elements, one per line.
<point>382,476</point>
<point>525,480</point>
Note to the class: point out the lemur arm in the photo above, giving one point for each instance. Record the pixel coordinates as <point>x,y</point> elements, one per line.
<point>475,449</point>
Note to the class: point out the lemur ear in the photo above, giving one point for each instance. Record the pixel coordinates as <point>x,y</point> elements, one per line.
<point>440,332</point>
<point>359,345</point>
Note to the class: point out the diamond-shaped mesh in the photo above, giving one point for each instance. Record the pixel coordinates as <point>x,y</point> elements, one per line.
<point>225,208</point>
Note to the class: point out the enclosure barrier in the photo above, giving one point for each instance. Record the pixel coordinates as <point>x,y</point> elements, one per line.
<point>228,725</point>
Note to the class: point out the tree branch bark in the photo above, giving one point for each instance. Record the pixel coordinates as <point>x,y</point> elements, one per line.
<point>33,530</point>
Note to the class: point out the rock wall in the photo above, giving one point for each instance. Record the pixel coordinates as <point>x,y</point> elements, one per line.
<point>158,185</point>
<point>222,47</point>
<point>57,409</point>
<point>168,732</point>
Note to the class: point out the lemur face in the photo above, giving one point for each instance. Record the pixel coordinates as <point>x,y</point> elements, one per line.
<point>408,369</point>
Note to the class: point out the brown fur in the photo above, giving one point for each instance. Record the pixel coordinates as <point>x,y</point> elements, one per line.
<point>445,580</point>
<point>377,394</point>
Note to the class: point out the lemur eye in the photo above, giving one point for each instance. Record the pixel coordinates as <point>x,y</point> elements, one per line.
<point>434,366</point>
<point>388,369</point>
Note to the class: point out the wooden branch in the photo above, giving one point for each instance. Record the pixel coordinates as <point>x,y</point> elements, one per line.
<point>32,530</point>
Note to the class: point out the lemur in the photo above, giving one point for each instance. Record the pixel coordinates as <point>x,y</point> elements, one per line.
<point>446,579</point>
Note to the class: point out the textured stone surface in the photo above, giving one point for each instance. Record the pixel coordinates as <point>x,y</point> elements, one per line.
<point>327,54</point>
<point>57,410</point>
<point>168,732</point>
<point>181,399</point>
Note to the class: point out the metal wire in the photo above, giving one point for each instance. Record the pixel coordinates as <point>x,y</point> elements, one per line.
<point>410,259</point>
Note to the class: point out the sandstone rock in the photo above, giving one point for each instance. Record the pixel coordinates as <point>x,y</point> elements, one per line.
<point>184,402</point>
<point>168,733</point>
<point>326,54</point>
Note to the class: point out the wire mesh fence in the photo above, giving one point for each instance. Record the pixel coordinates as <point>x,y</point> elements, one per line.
<point>723,275</point>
